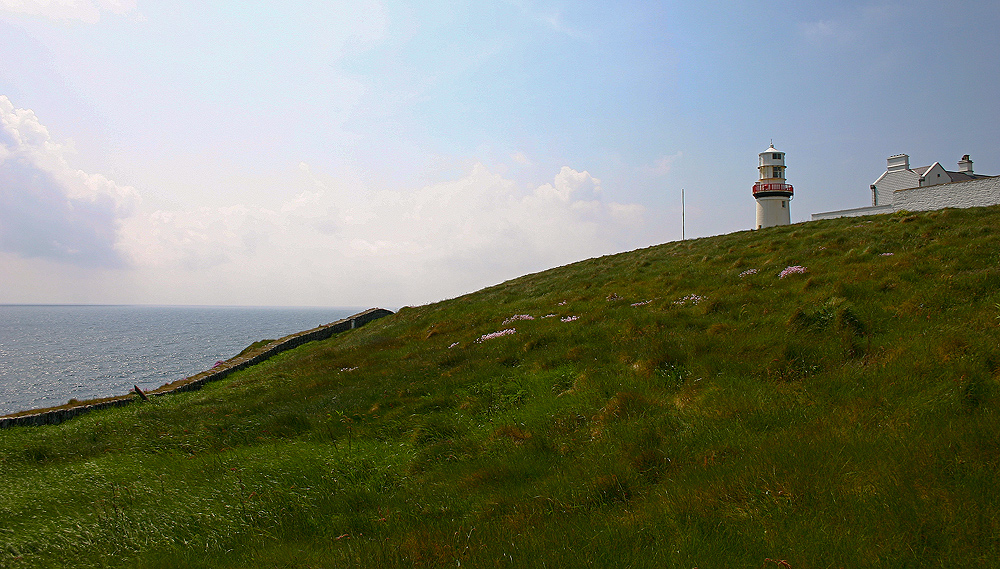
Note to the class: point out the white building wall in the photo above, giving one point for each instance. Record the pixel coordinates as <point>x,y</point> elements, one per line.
<point>889,182</point>
<point>935,175</point>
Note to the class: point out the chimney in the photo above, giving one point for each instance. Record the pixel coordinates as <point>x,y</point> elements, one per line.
<point>898,162</point>
<point>965,165</point>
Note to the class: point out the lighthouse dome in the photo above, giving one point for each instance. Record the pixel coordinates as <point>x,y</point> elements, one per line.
<point>772,157</point>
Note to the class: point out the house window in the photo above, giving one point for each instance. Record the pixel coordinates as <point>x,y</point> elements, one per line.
<point>783,204</point>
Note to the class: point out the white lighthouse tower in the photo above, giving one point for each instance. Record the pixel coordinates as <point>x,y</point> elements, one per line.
<point>771,191</point>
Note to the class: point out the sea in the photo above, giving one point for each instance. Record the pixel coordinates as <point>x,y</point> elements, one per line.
<point>51,354</point>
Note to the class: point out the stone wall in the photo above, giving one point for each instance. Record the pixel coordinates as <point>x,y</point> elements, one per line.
<point>973,193</point>
<point>56,416</point>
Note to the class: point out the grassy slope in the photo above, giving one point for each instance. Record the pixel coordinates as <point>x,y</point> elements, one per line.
<point>845,417</point>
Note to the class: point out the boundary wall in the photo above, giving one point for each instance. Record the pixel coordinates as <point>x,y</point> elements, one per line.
<point>232,365</point>
<point>972,193</point>
<point>854,212</point>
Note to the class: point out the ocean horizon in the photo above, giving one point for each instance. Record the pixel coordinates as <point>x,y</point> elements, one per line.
<point>51,353</point>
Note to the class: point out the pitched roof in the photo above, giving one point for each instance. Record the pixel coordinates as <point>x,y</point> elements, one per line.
<point>964,176</point>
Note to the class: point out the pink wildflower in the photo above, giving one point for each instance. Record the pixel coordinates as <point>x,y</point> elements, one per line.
<point>886,255</point>
<point>692,298</point>
<point>453,345</point>
<point>643,303</point>
<point>497,334</point>
<point>748,272</point>
<point>569,318</point>
<point>792,270</point>
<point>518,317</point>
<point>548,316</point>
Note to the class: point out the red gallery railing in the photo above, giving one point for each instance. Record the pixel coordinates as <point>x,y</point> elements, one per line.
<point>773,187</point>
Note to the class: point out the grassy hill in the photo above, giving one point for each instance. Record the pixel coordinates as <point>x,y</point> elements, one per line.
<point>683,405</point>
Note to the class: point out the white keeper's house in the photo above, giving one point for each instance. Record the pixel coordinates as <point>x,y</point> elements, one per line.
<point>925,188</point>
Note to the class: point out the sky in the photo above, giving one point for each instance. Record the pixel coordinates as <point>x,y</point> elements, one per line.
<point>391,153</point>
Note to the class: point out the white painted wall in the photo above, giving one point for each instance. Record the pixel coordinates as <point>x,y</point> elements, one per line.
<point>889,182</point>
<point>974,193</point>
<point>935,175</point>
<point>773,211</point>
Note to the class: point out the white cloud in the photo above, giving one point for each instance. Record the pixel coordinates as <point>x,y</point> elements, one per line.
<point>520,158</point>
<point>663,165</point>
<point>321,240</point>
<point>340,243</point>
<point>88,11</point>
<point>49,209</point>
<point>568,182</point>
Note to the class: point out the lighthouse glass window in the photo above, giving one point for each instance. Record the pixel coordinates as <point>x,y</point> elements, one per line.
<point>777,171</point>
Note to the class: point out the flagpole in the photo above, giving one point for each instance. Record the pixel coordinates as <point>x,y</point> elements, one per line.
<point>683,236</point>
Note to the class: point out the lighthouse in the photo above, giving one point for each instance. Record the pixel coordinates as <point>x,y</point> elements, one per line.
<point>771,191</point>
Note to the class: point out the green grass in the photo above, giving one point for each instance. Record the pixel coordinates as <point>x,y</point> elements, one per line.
<point>845,417</point>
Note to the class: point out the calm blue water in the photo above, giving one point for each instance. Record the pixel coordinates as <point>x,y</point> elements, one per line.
<point>50,354</point>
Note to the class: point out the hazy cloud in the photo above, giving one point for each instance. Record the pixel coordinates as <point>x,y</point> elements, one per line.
<point>847,31</point>
<point>48,209</point>
<point>662,166</point>
<point>419,245</point>
<point>828,33</point>
<point>88,11</point>
<point>520,158</point>
<point>550,17</point>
